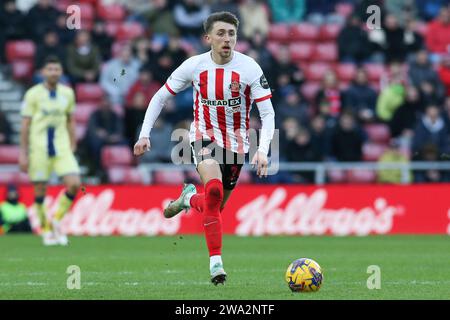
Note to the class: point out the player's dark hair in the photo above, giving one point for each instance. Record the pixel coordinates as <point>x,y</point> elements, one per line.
<point>52,59</point>
<point>223,16</point>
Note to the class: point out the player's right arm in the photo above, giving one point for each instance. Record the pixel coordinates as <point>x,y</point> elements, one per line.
<point>27,113</point>
<point>180,79</point>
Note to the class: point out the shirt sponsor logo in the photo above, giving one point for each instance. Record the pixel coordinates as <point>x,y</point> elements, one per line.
<point>217,103</point>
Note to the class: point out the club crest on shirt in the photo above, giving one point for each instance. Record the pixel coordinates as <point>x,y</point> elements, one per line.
<point>235,86</point>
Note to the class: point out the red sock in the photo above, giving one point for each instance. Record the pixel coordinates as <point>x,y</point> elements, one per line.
<point>212,220</point>
<point>197,202</point>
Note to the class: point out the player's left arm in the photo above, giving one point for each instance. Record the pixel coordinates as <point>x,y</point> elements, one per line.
<point>260,92</point>
<point>267,115</point>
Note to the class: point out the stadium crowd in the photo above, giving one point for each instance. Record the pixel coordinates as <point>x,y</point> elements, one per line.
<point>341,90</point>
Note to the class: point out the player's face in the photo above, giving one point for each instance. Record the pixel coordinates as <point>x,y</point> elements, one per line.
<point>222,38</point>
<point>52,72</point>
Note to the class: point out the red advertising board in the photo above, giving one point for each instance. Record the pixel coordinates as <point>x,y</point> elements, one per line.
<point>260,210</point>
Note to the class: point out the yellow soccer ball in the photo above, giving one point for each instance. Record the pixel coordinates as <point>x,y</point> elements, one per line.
<point>304,275</point>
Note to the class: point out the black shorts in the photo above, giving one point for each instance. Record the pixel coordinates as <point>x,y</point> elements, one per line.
<point>230,162</point>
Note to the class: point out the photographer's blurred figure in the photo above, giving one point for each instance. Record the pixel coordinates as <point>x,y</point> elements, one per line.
<point>13,214</point>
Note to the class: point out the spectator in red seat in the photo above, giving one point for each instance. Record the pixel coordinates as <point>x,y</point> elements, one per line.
<point>49,47</point>
<point>83,58</point>
<point>5,129</point>
<point>405,117</point>
<point>353,43</point>
<point>394,46</point>
<point>164,62</point>
<point>444,74</point>
<point>301,149</point>
<point>347,139</point>
<point>101,38</point>
<point>105,127</point>
<point>255,18</point>
<point>161,21</point>
<point>137,101</point>
<point>361,97</point>
<point>11,25</point>
<point>41,17</point>
<point>330,94</point>
<point>429,152</point>
<point>142,50</point>
<point>413,40</point>
<point>429,9</point>
<point>423,76</point>
<point>431,128</point>
<point>293,105</point>
<point>65,34</point>
<point>288,130</point>
<point>438,35</point>
<point>119,74</point>
<point>404,10</point>
<point>161,152</point>
<point>320,137</point>
<point>258,42</point>
<point>286,11</point>
<point>284,73</point>
<point>189,16</point>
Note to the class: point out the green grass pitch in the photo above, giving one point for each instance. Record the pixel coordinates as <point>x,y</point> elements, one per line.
<point>176,267</point>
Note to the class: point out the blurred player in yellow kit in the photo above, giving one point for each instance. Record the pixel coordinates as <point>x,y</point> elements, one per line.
<point>47,144</point>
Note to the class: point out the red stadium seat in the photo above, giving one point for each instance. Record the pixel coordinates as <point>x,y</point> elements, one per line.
<point>129,31</point>
<point>80,131</point>
<point>278,32</point>
<point>378,132</point>
<point>82,114</point>
<point>374,71</point>
<point>346,71</point>
<point>116,156</point>
<point>20,50</point>
<point>128,175</point>
<point>242,46</point>
<point>168,177</point>
<point>421,28</point>
<point>344,9</point>
<point>337,176</point>
<point>113,12</point>
<point>301,51</point>
<point>89,92</point>
<point>373,151</point>
<point>87,11</point>
<point>316,71</point>
<point>9,154</point>
<point>361,176</point>
<point>325,52</point>
<point>15,177</point>
<point>310,89</point>
<point>304,32</point>
<point>22,69</point>
<point>111,28</point>
<point>329,32</point>
<point>273,47</point>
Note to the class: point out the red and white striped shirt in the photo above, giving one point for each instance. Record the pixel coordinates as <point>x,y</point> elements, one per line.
<point>223,96</point>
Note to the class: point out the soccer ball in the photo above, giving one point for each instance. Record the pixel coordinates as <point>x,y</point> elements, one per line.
<point>304,275</point>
